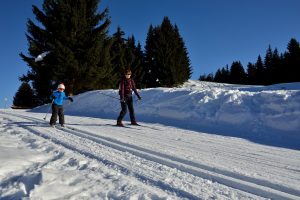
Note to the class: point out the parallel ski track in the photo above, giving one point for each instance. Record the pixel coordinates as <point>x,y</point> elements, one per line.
<point>78,148</point>
<point>224,151</point>
<point>247,184</point>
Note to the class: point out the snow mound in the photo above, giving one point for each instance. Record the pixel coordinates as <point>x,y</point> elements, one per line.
<point>203,106</point>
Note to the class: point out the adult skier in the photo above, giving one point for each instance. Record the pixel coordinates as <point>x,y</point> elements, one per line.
<point>58,97</point>
<point>127,85</point>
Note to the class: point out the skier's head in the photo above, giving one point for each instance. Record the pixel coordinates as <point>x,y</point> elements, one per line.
<point>127,73</point>
<point>61,87</point>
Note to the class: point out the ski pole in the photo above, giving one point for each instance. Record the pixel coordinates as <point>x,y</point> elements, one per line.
<point>48,109</point>
<point>109,96</point>
<point>115,110</point>
<point>137,102</point>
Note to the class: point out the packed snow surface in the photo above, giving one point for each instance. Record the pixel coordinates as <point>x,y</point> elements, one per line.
<point>198,141</point>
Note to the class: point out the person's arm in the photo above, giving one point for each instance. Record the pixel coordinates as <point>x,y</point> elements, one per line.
<point>52,96</point>
<point>134,89</point>
<point>64,96</point>
<point>67,97</point>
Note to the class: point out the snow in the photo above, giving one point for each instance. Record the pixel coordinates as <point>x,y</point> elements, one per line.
<point>41,56</point>
<point>198,141</point>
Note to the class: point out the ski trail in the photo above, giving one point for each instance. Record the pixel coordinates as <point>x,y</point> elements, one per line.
<point>78,146</point>
<point>244,183</point>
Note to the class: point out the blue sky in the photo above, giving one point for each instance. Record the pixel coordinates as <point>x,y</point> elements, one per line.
<point>215,32</point>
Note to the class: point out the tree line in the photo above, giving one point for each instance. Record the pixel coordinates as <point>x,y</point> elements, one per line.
<point>72,36</point>
<point>273,68</point>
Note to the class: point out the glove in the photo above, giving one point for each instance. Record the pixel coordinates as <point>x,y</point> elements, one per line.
<point>139,97</point>
<point>53,97</point>
<point>71,99</point>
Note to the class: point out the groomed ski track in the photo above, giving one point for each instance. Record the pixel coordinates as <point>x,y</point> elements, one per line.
<point>104,147</point>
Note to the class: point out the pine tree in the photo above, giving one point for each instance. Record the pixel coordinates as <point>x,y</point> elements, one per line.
<point>259,66</point>
<point>167,62</point>
<point>126,55</point>
<point>251,74</point>
<point>24,97</point>
<point>209,77</point>
<point>225,74</point>
<point>221,76</point>
<point>276,67</point>
<point>292,62</point>
<point>150,68</point>
<point>117,53</point>
<point>107,78</point>
<point>165,46</point>
<point>135,61</point>
<point>237,73</point>
<point>72,34</point>
<point>218,76</point>
<point>268,66</point>
<point>183,70</point>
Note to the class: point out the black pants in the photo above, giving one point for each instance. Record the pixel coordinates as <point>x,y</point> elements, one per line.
<point>57,110</point>
<point>128,103</point>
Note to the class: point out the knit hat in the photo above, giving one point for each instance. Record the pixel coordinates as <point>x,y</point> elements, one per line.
<point>61,86</point>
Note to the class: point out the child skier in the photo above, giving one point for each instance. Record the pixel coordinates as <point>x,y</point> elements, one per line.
<point>125,90</point>
<point>57,98</point>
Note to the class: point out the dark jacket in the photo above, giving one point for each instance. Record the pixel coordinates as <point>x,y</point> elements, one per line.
<point>126,87</point>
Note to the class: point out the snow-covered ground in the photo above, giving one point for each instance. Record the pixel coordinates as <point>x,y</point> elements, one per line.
<point>199,141</point>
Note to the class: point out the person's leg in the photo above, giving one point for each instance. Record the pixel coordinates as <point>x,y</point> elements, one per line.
<point>131,110</point>
<point>122,113</point>
<point>61,115</point>
<point>54,114</point>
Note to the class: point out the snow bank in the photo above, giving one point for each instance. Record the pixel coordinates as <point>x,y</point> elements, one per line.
<point>203,106</point>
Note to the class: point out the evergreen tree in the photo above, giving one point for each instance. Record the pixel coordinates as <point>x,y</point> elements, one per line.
<point>106,79</point>
<point>136,62</point>
<point>292,61</point>
<point>218,76</point>
<point>72,34</point>
<point>167,62</point>
<point>117,53</point>
<point>251,74</point>
<point>268,66</point>
<point>271,70</point>
<point>222,75</point>
<point>165,46</point>
<point>275,70</point>
<point>260,71</point>
<point>209,77</point>
<point>126,55</point>
<point>150,68</point>
<point>225,74</point>
<point>24,97</point>
<point>237,73</point>
<point>183,70</point>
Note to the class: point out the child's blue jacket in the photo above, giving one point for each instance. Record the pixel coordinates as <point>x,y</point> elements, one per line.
<point>59,97</point>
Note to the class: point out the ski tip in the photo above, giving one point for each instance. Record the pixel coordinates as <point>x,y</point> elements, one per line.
<point>119,125</point>
<point>135,124</point>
